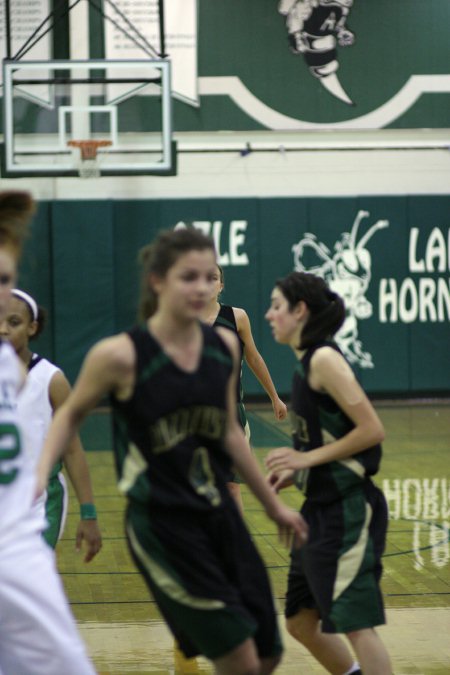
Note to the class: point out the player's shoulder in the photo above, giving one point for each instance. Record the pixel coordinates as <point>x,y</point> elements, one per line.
<point>327,362</point>
<point>242,319</point>
<point>326,355</point>
<point>239,313</point>
<point>116,351</point>
<point>40,366</point>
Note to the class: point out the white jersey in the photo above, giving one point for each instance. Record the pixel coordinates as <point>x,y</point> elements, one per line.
<point>34,407</point>
<point>37,630</point>
<point>17,473</point>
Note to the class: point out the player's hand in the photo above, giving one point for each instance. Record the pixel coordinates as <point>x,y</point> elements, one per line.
<point>282,459</point>
<point>292,528</point>
<point>89,532</point>
<point>279,409</point>
<point>278,480</point>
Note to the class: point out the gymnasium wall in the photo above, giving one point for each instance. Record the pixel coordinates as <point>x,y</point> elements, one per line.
<point>388,256</point>
<point>389,69</point>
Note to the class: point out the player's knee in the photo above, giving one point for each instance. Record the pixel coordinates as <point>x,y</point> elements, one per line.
<point>252,670</point>
<point>355,636</point>
<point>302,627</point>
<point>269,665</point>
<point>296,629</point>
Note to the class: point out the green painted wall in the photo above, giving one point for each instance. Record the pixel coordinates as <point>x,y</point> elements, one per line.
<point>81,263</point>
<point>393,42</point>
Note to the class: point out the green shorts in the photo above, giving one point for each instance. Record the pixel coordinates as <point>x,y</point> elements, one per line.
<point>206,577</point>
<point>338,570</point>
<point>55,509</point>
<point>242,417</point>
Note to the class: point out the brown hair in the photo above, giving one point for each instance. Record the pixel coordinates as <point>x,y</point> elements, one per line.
<point>221,274</point>
<point>157,258</point>
<point>327,309</point>
<point>16,210</point>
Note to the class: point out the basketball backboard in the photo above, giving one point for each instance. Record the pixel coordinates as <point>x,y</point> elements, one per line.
<point>51,105</point>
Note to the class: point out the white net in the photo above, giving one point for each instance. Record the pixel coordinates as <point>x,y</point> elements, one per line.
<point>89,168</point>
<point>88,162</point>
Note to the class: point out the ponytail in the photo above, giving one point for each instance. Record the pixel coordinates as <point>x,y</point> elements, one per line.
<point>324,323</point>
<point>149,300</point>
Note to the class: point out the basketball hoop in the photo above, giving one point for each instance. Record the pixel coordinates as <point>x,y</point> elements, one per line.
<point>89,166</point>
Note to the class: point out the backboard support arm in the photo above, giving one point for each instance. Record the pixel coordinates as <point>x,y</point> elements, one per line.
<point>139,40</point>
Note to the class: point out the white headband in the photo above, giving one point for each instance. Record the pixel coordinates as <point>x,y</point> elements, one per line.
<point>29,300</point>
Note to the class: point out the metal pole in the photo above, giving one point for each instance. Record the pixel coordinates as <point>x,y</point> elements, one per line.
<point>162,43</point>
<point>8,29</point>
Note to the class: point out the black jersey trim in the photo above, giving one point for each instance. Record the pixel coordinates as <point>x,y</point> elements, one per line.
<point>35,359</point>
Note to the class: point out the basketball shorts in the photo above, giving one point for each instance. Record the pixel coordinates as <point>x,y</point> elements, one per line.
<point>338,570</point>
<point>55,509</point>
<point>207,578</point>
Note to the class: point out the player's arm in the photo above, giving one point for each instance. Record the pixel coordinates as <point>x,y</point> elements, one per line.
<point>256,362</point>
<point>290,524</point>
<point>108,367</point>
<point>75,463</point>
<point>331,374</point>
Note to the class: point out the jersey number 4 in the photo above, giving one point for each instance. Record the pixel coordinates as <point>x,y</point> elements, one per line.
<point>201,477</point>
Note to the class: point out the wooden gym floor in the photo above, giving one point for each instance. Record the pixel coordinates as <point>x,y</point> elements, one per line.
<point>123,629</point>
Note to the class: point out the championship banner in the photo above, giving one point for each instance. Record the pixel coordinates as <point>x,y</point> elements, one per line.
<point>132,26</point>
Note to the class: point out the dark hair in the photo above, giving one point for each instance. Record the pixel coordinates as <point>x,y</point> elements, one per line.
<point>157,258</point>
<point>16,210</point>
<point>221,274</point>
<point>41,315</point>
<point>327,309</point>
<point>41,322</point>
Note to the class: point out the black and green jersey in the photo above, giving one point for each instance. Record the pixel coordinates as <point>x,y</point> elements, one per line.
<point>316,421</point>
<point>168,437</point>
<point>227,319</point>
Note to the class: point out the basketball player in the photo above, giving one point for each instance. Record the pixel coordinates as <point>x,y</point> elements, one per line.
<point>334,581</point>
<point>37,631</point>
<point>236,319</point>
<point>45,389</point>
<point>172,383</point>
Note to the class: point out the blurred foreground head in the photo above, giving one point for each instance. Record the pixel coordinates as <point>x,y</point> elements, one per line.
<point>16,210</point>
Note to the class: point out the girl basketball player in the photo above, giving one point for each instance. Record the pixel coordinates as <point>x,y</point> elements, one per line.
<point>37,631</point>
<point>44,391</point>
<point>334,580</point>
<point>172,382</point>
<point>236,320</point>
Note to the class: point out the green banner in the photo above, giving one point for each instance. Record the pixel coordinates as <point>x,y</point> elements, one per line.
<point>389,258</point>
<point>293,65</point>
<point>342,64</point>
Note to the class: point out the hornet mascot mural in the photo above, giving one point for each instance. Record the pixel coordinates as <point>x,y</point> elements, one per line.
<point>348,272</point>
<point>315,28</point>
